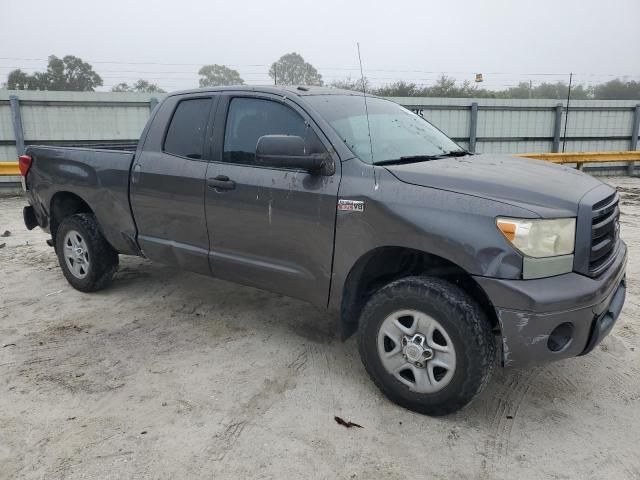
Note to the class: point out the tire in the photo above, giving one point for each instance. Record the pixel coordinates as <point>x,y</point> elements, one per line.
<point>458,337</point>
<point>87,260</point>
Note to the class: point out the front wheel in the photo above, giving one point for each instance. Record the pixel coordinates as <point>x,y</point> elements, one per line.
<point>87,260</point>
<point>426,344</point>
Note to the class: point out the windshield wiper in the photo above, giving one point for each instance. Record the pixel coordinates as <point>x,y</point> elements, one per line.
<point>456,153</point>
<point>422,158</point>
<point>408,159</point>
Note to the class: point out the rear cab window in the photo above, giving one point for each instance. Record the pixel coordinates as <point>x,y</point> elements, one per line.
<point>187,130</point>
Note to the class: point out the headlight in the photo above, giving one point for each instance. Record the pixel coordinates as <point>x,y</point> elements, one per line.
<point>540,238</point>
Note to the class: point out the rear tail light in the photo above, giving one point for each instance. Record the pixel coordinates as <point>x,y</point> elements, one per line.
<point>24,163</point>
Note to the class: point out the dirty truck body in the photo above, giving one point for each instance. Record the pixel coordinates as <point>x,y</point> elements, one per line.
<point>425,250</point>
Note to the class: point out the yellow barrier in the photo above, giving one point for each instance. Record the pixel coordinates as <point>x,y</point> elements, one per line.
<point>584,157</point>
<point>9,169</point>
<point>579,158</point>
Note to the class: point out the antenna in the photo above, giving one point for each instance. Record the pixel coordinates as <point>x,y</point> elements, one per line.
<point>366,108</point>
<point>366,111</point>
<point>566,117</point>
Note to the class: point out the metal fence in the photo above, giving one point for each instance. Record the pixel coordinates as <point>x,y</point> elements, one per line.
<point>518,126</point>
<point>59,118</point>
<point>482,125</point>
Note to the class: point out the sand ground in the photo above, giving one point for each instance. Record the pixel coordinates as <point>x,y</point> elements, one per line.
<point>173,375</point>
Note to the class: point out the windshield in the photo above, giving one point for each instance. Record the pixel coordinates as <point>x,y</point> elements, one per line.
<point>396,132</point>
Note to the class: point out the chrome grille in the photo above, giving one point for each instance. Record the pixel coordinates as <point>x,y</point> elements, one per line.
<point>605,234</point>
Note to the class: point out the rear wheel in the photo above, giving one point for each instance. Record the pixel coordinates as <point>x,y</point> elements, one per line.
<point>426,344</point>
<point>87,260</point>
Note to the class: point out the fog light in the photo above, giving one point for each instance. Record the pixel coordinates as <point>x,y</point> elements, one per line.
<point>561,337</point>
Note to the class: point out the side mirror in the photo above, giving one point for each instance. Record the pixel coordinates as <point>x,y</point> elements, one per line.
<point>288,151</point>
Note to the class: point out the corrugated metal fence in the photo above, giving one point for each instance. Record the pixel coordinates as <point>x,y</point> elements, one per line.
<point>59,118</point>
<point>518,126</point>
<point>483,125</point>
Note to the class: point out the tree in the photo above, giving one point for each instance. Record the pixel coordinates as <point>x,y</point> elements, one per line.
<point>121,87</point>
<point>447,87</point>
<point>617,90</point>
<point>291,69</point>
<point>522,90</point>
<point>140,86</point>
<point>444,87</point>
<point>68,73</point>
<point>556,90</point>
<point>219,75</point>
<point>349,84</point>
<point>19,80</point>
<point>399,89</point>
<point>146,86</point>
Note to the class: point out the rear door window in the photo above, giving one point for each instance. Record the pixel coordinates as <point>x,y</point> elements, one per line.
<point>186,133</point>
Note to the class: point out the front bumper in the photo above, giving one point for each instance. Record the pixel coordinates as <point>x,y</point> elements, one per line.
<point>549,319</point>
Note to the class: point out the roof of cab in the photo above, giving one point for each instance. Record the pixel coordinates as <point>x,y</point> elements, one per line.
<point>300,90</point>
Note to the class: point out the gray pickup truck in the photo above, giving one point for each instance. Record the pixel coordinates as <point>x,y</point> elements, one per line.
<point>437,258</point>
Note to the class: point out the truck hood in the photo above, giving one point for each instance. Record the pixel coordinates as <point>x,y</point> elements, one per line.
<point>541,187</point>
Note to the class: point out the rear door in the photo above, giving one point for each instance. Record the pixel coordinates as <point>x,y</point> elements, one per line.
<point>168,184</point>
<point>270,228</point>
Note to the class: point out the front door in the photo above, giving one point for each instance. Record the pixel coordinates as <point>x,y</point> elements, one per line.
<point>269,228</point>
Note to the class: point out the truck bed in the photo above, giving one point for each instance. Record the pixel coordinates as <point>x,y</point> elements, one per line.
<point>98,176</point>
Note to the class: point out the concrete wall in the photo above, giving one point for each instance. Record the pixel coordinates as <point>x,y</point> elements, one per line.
<point>505,126</point>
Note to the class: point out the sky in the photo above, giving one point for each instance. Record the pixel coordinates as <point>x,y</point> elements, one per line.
<point>166,41</point>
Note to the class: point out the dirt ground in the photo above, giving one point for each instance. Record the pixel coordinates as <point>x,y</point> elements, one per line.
<point>173,375</point>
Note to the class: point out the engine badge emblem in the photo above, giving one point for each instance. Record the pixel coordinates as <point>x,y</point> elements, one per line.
<point>350,205</point>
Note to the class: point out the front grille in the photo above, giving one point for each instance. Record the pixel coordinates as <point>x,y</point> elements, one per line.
<point>605,231</point>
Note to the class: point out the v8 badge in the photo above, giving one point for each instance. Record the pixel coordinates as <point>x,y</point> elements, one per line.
<point>350,205</point>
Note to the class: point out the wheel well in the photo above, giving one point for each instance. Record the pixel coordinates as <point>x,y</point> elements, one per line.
<point>386,264</point>
<point>63,205</point>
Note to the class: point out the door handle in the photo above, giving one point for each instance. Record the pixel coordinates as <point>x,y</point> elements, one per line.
<point>221,182</point>
<point>135,174</point>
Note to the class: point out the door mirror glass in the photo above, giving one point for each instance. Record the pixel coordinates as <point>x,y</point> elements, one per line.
<point>288,151</point>
<point>280,146</point>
